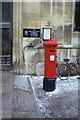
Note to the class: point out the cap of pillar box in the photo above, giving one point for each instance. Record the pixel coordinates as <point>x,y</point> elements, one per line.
<point>50,43</point>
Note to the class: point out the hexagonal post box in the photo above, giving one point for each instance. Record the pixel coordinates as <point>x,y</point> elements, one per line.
<point>49,81</point>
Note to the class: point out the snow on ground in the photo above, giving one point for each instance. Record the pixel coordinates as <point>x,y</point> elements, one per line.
<point>61,103</point>
<point>37,82</point>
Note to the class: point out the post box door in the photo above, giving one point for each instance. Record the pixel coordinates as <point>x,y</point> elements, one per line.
<point>50,66</point>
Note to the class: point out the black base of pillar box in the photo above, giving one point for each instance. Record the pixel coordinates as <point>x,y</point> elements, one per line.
<point>49,84</point>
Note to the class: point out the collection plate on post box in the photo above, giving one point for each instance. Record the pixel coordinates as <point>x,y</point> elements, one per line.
<point>52,58</point>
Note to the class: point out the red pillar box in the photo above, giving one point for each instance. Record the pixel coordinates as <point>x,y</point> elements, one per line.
<point>50,65</point>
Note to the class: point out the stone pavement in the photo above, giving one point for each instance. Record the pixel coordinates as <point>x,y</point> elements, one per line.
<point>0,95</point>
<point>17,100</point>
<point>24,102</point>
<point>6,93</point>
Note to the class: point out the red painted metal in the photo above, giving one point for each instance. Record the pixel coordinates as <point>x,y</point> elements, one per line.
<point>50,59</point>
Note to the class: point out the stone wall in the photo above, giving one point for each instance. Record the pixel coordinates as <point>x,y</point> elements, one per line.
<point>36,15</point>
<point>30,20</point>
<point>18,58</point>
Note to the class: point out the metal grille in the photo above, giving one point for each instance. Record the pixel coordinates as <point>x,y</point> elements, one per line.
<point>5,60</point>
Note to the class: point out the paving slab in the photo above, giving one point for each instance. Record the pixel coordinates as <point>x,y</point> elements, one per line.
<point>0,77</point>
<point>24,102</point>
<point>7,89</point>
<point>6,101</point>
<point>25,114</point>
<point>7,77</point>
<point>7,113</point>
<point>18,100</point>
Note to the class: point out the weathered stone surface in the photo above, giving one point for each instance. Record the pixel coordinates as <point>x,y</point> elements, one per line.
<point>32,7</point>
<point>0,102</point>
<point>58,35</point>
<point>24,103</point>
<point>7,113</point>
<point>31,59</point>
<point>67,34</point>
<point>40,68</point>
<point>25,115</point>
<point>7,101</point>
<point>7,89</point>
<point>40,55</point>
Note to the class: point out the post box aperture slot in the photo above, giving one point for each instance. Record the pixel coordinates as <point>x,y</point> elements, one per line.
<point>51,51</point>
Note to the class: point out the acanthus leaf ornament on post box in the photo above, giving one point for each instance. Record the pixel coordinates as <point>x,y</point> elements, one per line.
<point>49,81</point>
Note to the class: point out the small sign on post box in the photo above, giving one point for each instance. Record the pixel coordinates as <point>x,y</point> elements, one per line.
<point>49,81</point>
<point>51,57</point>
